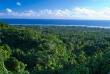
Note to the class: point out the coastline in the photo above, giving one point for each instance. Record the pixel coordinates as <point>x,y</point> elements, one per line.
<point>64,25</point>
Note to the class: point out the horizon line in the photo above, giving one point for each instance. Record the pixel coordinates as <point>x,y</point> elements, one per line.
<point>51,19</point>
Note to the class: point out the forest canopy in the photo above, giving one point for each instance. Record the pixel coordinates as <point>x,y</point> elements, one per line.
<point>54,49</point>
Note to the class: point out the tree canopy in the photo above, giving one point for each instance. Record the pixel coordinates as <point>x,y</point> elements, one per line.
<point>54,49</point>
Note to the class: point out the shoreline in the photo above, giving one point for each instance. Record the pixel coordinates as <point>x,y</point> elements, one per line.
<point>63,25</point>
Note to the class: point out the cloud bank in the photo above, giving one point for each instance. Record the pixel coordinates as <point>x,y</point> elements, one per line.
<point>76,13</point>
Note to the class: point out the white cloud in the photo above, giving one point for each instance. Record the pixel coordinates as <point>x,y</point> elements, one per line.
<point>9,10</point>
<point>76,13</point>
<point>18,3</point>
<point>83,11</point>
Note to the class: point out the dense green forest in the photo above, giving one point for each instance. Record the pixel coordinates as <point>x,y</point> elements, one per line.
<point>30,49</point>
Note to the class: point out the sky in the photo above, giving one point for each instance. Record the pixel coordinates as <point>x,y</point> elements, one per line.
<point>55,9</point>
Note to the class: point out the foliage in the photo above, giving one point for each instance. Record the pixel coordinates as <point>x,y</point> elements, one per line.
<point>54,49</point>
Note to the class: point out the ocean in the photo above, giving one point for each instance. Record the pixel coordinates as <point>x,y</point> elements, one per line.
<point>60,22</point>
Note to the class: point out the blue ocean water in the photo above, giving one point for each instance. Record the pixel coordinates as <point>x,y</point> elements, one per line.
<point>64,22</point>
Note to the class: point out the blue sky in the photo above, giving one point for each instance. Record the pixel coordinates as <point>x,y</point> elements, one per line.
<point>55,9</point>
